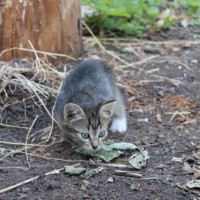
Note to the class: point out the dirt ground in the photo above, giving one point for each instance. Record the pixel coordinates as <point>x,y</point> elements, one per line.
<point>163,99</point>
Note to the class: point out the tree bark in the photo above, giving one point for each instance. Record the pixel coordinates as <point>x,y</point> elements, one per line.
<point>50,25</point>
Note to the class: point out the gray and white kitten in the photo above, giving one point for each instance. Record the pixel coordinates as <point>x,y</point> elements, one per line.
<point>88,104</point>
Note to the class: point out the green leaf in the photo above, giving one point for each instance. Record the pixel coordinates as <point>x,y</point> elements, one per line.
<point>193,184</point>
<point>138,159</point>
<point>133,186</point>
<point>114,150</point>
<point>74,170</point>
<point>107,156</point>
<point>92,172</point>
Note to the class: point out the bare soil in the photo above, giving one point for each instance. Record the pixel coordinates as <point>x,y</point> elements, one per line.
<point>163,99</point>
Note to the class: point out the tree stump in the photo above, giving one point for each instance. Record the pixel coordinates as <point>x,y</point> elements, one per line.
<point>50,26</point>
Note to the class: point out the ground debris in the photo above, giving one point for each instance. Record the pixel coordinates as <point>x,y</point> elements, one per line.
<point>181,102</point>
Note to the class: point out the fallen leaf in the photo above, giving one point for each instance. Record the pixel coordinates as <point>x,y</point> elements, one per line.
<point>92,172</point>
<point>138,159</point>
<point>106,155</point>
<point>120,146</point>
<point>133,186</point>
<point>74,170</point>
<point>193,184</point>
<point>114,150</point>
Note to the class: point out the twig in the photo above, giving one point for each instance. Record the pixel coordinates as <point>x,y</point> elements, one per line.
<point>177,113</point>
<point>40,52</point>
<point>55,171</point>
<point>173,81</point>
<point>22,144</point>
<point>29,180</point>
<point>52,117</point>
<point>27,136</point>
<point>13,126</point>
<point>143,61</point>
<point>102,47</point>
<point>143,42</point>
<point>18,184</point>
<point>112,165</point>
<point>127,173</point>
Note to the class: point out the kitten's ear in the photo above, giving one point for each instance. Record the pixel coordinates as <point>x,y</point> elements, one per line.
<point>73,112</point>
<point>106,109</point>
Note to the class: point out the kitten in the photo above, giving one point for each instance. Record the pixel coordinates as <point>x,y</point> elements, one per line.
<point>88,102</point>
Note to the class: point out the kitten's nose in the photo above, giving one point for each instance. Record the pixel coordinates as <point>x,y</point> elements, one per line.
<point>94,146</point>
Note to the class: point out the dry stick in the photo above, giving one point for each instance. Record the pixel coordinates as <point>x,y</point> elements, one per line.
<point>20,150</point>
<point>13,126</point>
<point>143,42</point>
<point>22,144</point>
<point>40,52</point>
<point>173,81</point>
<point>102,47</point>
<point>37,60</point>
<point>55,171</point>
<point>114,165</point>
<point>127,173</point>
<point>133,65</point>
<point>16,102</point>
<point>52,117</point>
<point>144,61</point>
<point>26,149</point>
<point>29,180</point>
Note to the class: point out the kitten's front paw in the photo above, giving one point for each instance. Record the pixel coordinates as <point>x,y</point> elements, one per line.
<point>119,125</point>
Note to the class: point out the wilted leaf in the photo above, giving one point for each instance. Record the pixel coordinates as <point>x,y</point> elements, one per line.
<point>138,159</point>
<point>92,172</point>
<point>133,186</point>
<point>120,146</point>
<point>74,170</point>
<point>193,184</point>
<point>114,150</point>
<point>107,156</point>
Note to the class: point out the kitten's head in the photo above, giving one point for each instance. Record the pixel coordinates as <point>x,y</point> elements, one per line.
<point>87,128</point>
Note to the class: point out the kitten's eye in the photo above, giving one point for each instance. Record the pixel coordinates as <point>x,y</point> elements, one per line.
<point>102,134</point>
<point>85,135</point>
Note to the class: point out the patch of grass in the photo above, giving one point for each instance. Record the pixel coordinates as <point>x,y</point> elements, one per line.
<point>136,17</point>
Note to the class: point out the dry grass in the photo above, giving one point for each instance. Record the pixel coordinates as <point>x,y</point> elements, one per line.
<point>39,80</point>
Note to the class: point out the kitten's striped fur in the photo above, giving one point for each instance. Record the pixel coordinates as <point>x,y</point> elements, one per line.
<point>88,102</point>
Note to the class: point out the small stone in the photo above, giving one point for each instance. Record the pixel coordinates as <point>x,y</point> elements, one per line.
<point>179,67</point>
<point>110,180</point>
